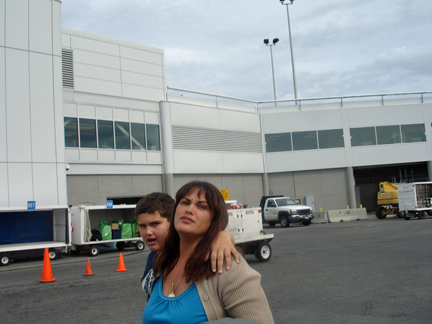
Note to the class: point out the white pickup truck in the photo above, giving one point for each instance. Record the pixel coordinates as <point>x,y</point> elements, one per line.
<point>284,210</point>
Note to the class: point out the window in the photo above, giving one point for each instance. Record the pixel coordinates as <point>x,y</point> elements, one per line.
<point>110,135</point>
<point>278,142</point>
<point>363,136</point>
<point>271,203</point>
<point>153,142</point>
<point>138,136</point>
<point>71,132</point>
<point>122,138</point>
<point>304,140</point>
<point>105,134</point>
<point>413,133</point>
<point>388,134</point>
<point>87,132</point>
<point>330,138</point>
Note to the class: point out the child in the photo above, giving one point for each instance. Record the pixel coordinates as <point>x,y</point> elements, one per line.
<point>153,214</point>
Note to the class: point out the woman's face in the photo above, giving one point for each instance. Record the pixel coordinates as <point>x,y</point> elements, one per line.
<point>193,215</point>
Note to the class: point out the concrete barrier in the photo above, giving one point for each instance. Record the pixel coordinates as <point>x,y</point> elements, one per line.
<point>346,215</point>
<point>320,218</point>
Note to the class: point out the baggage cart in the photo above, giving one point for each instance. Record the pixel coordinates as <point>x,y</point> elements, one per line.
<point>84,219</point>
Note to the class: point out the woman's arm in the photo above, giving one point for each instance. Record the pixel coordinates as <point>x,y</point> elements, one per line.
<point>222,248</point>
<point>241,294</point>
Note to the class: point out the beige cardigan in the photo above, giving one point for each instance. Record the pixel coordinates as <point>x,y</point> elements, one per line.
<point>235,293</point>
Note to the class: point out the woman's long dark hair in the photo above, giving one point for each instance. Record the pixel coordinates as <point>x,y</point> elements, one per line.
<point>196,268</point>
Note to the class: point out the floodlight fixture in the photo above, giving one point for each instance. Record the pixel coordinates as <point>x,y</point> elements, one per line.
<point>267,43</point>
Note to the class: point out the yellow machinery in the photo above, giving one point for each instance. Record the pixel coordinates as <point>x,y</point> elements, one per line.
<point>387,200</point>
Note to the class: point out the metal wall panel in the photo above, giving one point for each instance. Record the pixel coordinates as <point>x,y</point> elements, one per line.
<point>141,67</point>
<point>17,24</point>
<point>2,22</point>
<point>45,184</point>
<point>20,184</point>
<point>42,108</point>
<point>142,55</point>
<point>3,129</point>
<point>17,105</point>
<point>40,24</point>
<point>4,185</point>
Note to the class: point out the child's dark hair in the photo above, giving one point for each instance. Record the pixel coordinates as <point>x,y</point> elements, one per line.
<point>155,202</point>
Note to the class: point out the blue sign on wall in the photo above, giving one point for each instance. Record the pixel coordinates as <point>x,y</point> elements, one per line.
<point>109,204</point>
<point>31,204</point>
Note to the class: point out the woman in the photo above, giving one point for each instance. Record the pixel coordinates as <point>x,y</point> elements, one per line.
<point>185,289</point>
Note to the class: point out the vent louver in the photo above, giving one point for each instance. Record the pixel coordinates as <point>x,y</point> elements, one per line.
<point>188,138</point>
<point>67,68</point>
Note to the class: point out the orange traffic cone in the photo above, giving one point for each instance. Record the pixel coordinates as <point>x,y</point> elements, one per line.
<point>88,269</point>
<point>121,264</point>
<point>46,270</point>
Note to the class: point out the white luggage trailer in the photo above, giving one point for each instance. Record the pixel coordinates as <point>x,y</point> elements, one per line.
<point>26,233</point>
<point>86,218</point>
<point>245,224</point>
<point>415,199</point>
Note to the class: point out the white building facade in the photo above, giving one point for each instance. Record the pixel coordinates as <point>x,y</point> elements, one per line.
<point>110,120</point>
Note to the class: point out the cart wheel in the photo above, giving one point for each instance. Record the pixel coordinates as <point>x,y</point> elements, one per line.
<point>139,246</point>
<point>120,246</point>
<point>53,254</point>
<point>264,252</point>
<point>93,250</point>
<point>5,259</point>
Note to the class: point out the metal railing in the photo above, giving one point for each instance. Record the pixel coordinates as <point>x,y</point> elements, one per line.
<point>300,100</point>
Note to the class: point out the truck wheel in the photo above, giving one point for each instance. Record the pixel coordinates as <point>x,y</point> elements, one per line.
<point>139,246</point>
<point>407,217</point>
<point>93,250</point>
<point>306,223</point>
<point>120,246</point>
<point>421,215</point>
<point>53,254</point>
<point>264,252</point>
<point>5,259</point>
<point>284,221</point>
<point>400,214</point>
<point>272,224</point>
<point>429,212</point>
<point>381,213</point>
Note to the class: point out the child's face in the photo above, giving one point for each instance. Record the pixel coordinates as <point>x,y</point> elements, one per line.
<point>153,229</point>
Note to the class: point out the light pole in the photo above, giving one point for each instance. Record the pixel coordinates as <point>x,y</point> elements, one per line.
<point>286,3</point>
<point>266,41</point>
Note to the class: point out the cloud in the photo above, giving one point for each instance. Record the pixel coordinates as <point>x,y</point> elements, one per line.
<point>342,47</point>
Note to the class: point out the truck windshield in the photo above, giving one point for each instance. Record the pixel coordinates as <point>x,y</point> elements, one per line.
<point>285,202</point>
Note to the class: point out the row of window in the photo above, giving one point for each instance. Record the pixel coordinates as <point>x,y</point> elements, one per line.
<point>333,138</point>
<point>107,134</point>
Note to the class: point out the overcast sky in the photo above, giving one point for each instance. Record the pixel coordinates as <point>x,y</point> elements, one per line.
<point>341,47</point>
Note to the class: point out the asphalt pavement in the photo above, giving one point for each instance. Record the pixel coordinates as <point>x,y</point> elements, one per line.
<point>371,271</point>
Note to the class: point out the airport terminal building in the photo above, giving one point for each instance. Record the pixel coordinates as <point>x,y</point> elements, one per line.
<point>85,118</point>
